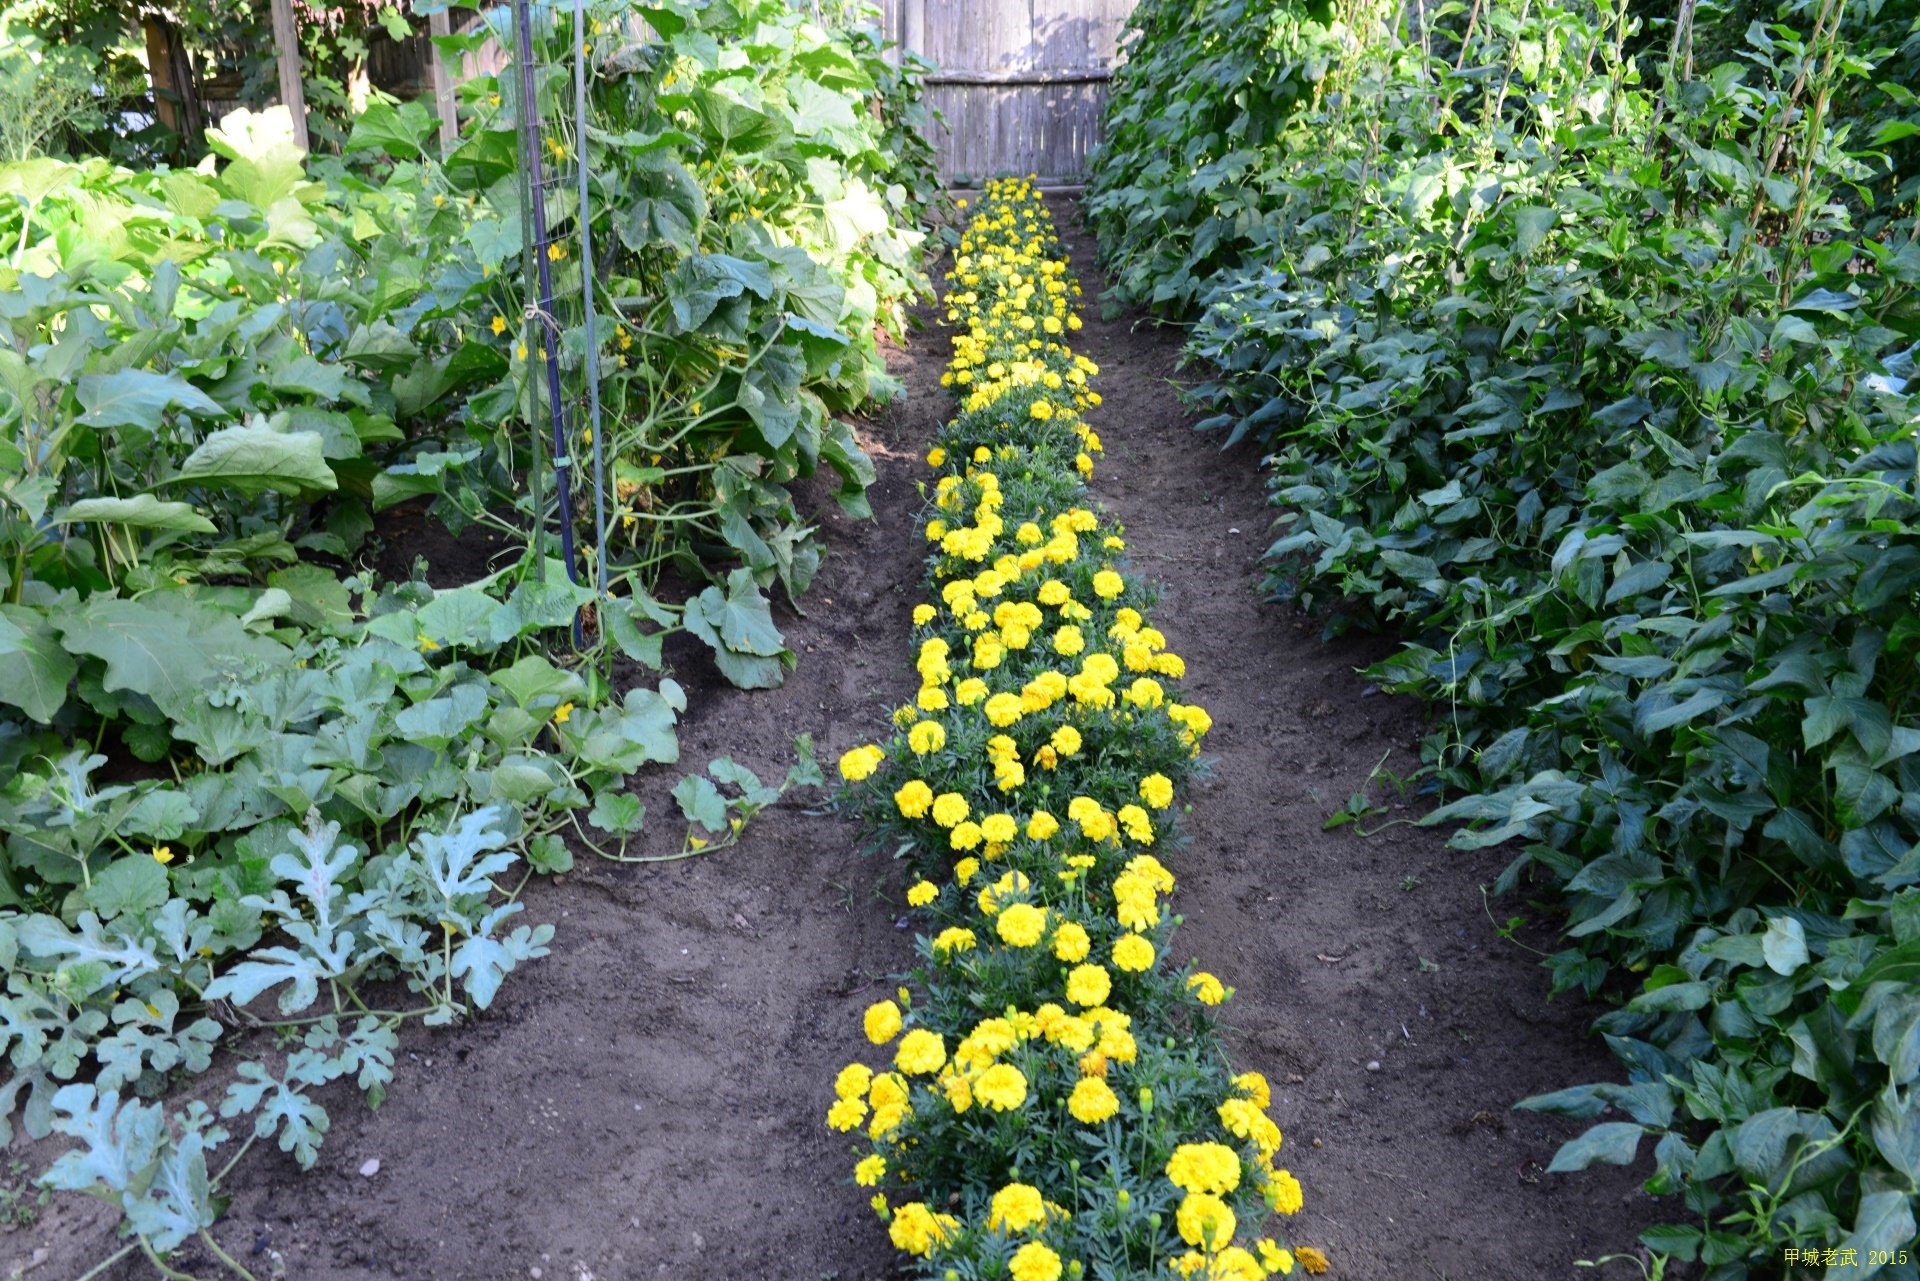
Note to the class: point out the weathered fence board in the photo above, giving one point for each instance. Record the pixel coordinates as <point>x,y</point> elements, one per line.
<point>1021,82</point>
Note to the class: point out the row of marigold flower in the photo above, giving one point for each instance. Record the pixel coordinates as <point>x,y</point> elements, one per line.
<point>1058,1102</point>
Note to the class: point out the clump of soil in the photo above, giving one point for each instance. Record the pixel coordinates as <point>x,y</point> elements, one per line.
<point>648,1101</point>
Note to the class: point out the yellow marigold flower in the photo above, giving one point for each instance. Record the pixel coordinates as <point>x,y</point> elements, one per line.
<point>970,691</point>
<point>1170,665</point>
<point>1208,988</point>
<point>1204,1167</point>
<point>1003,710</point>
<point>1157,790</point>
<point>1070,943</point>
<point>888,1089</point>
<point>914,800</point>
<point>1092,1101</point>
<point>886,1119</point>
<point>1138,825</point>
<point>924,614</point>
<point>927,736</point>
<point>1054,592</point>
<point>870,1170</point>
<point>1150,870</point>
<point>1283,1192</point>
<point>1205,1221</point>
<point>882,1022</point>
<point>1107,584</point>
<point>1146,692</point>
<point>1133,954</point>
<point>920,1053</point>
<point>999,829</point>
<point>1034,1262</point>
<point>916,1229</point>
<point>949,808</point>
<point>1274,1258</point>
<point>965,870</point>
<point>932,698</point>
<point>1088,984</point>
<point>953,939</point>
<point>853,1081</point>
<point>1016,1208</point>
<point>860,763</point>
<point>1022,924</point>
<point>1046,758</point>
<point>1254,1086</point>
<point>1040,410</point>
<point>1311,1259</point>
<point>1069,641</point>
<point>936,530</point>
<point>1066,740</point>
<point>921,893</point>
<point>936,457</point>
<point>1001,1087</point>
<point>965,836</point>
<point>1244,1120</point>
<point>847,1114</point>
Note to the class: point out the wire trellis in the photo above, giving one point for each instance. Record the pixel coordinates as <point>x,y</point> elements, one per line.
<point>547,83</point>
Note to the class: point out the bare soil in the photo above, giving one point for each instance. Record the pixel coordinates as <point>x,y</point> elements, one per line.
<point>648,1100</point>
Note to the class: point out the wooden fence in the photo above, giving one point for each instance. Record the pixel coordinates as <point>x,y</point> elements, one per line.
<point>1021,82</point>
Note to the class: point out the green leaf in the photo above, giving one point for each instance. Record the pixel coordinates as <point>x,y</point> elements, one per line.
<point>617,812</point>
<point>1884,1224</point>
<point>35,669</point>
<point>549,855</point>
<point>146,650</point>
<point>533,678</point>
<point>138,398</point>
<point>266,165</point>
<point>254,458</point>
<point>1609,1143</point>
<point>624,627</point>
<point>1532,224</point>
<point>701,802</point>
<point>142,511</point>
<point>1784,945</point>
<point>458,617</point>
<point>133,884</point>
<point>319,598</point>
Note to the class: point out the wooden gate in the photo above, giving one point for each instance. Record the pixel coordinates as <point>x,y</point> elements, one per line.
<point>1021,82</point>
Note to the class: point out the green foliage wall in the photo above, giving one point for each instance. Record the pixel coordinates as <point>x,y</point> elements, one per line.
<point>1587,372</point>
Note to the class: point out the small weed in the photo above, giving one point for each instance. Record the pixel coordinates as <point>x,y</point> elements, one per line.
<point>847,895</point>
<point>1428,967</point>
<point>21,1199</point>
<point>1359,808</point>
<point>1507,931</point>
<point>1409,883</point>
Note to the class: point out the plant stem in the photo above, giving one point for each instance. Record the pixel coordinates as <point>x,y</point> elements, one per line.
<point>108,1262</point>
<point>224,1256</point>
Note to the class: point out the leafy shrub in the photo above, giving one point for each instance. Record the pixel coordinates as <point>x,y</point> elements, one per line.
<point>1013,1138</point>
<point>1593,389</point>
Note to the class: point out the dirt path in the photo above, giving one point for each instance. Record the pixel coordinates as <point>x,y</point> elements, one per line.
<point>1421,1169</point>
<point>647,1101</point>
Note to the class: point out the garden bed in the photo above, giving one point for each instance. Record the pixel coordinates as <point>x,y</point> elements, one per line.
<point>647,1100</point>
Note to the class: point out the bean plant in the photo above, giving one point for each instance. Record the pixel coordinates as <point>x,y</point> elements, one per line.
<point>1585,367</point>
